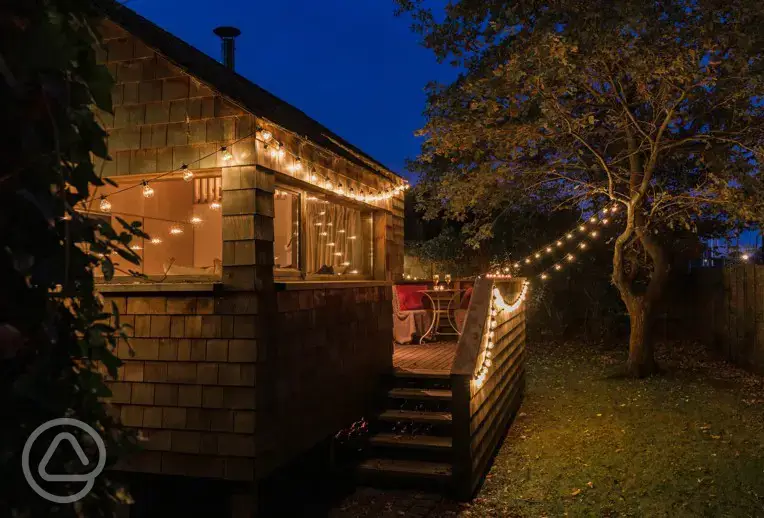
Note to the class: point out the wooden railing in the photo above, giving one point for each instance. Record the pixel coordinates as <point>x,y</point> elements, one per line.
<point>486,400</point>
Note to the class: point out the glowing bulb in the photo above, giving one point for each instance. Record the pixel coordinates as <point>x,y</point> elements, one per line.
<point>557,267</point>
<point>328,185</point>
<point>105,205</point>
<point>156,241</point>
<point>582,228</point>
<point>338,253</point>
<point>329,244</point>
<point>527,260</point>
<point>593,219</point>
<point>148,191</point>
<point>570,257</point>
<point>569,236</point>
<point>215,205</point>
<point>227,156</point>
<point>297,165</point>
<point>745,257</point>
<point>487,363</point>
<point>548,249</point>
<point>614,208</point>
<point>537,255</point>
<point>341,231</point>
<point>319,224</point>
<point>583,246</point>
<point>196,220</point>
<point>347,263</point>
<point>604,221</point>
<point>353,271</point>
<point>322,234</point>
<point>544,276</point>
<point>266,135</point>
<point>594,233</point>
<point>517,265</point>
<point>281,153</point>
<point>313,176</point>
<point>176,230</point>
<point>559,243</point>
<point>272,152</point>
<point>136,247</point>
<point>187,174</point>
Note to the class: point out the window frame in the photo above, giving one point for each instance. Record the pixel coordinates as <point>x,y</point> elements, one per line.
<point>303,189</point>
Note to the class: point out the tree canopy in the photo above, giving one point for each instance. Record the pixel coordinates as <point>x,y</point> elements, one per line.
<point>655,106</point>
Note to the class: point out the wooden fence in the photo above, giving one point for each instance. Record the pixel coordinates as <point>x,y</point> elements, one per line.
<point>483,406</point>
<point>726,310</point>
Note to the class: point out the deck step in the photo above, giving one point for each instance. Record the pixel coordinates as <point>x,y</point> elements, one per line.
<point>407,468</point>
<point>417,417</point>
<point>417,442</point>
<point>420,393</point>
<point>421,373</point>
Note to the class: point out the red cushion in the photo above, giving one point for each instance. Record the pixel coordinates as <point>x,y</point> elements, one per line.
<point>466,298</point>
<point>410,297</point>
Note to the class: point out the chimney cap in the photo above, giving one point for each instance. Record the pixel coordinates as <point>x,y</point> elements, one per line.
<point>227,31</point>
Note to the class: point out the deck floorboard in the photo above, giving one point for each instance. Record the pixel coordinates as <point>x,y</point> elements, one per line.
<point>437,356</point>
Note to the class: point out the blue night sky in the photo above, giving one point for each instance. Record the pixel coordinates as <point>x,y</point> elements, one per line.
<point>351,65</point>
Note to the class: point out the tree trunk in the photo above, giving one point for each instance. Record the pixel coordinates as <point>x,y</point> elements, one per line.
<point>641,362</point>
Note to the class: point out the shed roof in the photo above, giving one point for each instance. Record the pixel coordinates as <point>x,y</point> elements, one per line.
<point>241,90</point>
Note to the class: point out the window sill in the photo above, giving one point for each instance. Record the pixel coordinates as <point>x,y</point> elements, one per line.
<point>179,284</point>
<point>282,285</point>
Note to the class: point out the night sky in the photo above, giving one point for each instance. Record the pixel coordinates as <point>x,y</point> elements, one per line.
<point>351,65</point>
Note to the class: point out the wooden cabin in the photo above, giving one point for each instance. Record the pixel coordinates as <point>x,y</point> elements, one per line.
<point>264,323</point>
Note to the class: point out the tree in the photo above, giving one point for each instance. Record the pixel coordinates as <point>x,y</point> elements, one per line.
<point>56,337</point>
<point>653,106</point>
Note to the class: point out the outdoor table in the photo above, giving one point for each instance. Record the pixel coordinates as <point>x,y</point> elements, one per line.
<point>441,305</point>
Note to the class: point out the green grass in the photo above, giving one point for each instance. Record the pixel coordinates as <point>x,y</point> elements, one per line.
<point>687,443</point>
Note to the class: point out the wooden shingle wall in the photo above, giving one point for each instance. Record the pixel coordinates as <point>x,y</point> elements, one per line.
<point>189,385</point>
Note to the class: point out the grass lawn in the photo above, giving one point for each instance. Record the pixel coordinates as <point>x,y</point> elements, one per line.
<point>687,443</point>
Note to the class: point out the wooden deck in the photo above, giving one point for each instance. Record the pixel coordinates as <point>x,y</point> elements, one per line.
<point>435,357</point>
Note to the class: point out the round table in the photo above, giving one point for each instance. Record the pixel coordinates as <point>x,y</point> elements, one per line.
<point>441,305</point>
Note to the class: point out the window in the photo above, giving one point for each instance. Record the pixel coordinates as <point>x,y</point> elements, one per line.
<point>183,220</point>
<point>286,229</point>
<point>327,239</point>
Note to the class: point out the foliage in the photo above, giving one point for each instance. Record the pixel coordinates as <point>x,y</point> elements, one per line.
<point>58,339</point>
<point>655,107</point>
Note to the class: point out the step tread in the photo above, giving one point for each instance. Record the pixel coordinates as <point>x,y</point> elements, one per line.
<point>419,468</point>
<point>420,393</point>
<point>399,372</point>
<point>414,415</point>
<point>429,442</point>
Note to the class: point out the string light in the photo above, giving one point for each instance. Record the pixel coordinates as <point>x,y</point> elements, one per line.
<point>176,230</point>
<point>196,220</point>
<point>156,241</point>
<point>498,304</point>
<point>136,247</point>
<point>266,135</point>
<point>187,174</point>
<point>148,191</point>
<point>227,156</point>
<point>281,153</point>
<point>215,205</point>
<point>105,204</point>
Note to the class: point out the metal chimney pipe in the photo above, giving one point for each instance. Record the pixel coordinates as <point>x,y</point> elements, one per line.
<point>227,36</point>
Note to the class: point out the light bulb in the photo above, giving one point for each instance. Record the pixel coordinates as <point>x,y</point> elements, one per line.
<point>347,263</point>
<point>352,237</point>
<point>527,260</point>
<point>273,152</point>
<point>215,205</point>
<point>557,267</point>
<point>313,176</point>
<point>594,233</point>
<point>196,220</point>
<point>156,241</point>
<point>537,255</point>
<point>176,230</point>
<point>544,276</point>
<point>338,253</point>
<point>297,165</point>
<point>328,185</point>
<point>266,135</point>
<point>605,221</point>
<point>105,205</point>
<point>593,219</point>
<point>582,245</point>
<point>353,271</point>
<point>570,257</point>
<point>341,231</point>
<point>745,257</point>
<point>148,191</point>
<point>187,174</point>
<point>559,243</point>
<point>582,228</point>
<point>548,249</point>
<point>136,247</point>
<point>517,265</point>
<point>569,236</point>
<point>227,156</point>
<point>281,153</point>
<point>322,234</point>
<point>329,244</point>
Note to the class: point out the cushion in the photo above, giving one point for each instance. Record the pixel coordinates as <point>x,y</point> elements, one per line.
<point>409,296</point>
<point>466,296</point>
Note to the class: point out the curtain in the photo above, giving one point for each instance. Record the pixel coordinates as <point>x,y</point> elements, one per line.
<point>336,237</point>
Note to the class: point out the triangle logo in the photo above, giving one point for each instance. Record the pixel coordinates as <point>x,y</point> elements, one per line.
<point>43,468</point>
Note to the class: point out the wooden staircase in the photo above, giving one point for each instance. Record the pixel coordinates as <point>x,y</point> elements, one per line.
<point>411,441</point>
